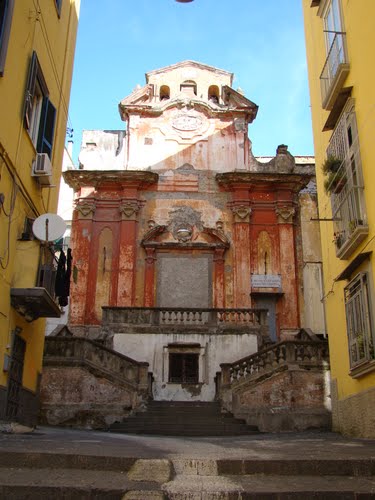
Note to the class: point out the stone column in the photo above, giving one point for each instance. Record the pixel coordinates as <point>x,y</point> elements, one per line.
<point>289,318</point>
<point>84,266</point>
<point>127,252</point>
<point>241,257</point>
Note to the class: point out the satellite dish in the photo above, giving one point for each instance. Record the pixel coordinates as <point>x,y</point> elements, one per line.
<point>49,227</point>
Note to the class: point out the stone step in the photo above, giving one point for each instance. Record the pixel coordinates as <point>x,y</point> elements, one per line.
<point>355,467</point>
<point>177,418</point>
<point>35,484</point>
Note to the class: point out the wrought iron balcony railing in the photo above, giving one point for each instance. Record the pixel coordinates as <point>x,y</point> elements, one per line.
<point>335,70</point>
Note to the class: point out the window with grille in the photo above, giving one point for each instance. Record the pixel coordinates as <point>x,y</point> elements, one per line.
<point>345,184</point>
<point>183,368</point>
<point>358,321</point>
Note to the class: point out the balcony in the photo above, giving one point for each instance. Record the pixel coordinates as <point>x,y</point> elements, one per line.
<point>347,201</point>
<point>185,320</point>
<point>350,229</point>
<point>335,71</point>
<point>33,302</point>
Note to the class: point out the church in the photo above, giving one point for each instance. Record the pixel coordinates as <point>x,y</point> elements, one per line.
<point>189,253</point>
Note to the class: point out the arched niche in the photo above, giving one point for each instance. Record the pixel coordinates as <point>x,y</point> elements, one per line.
<point>265,254</point>
<point>104,270</point>
<point>214,94</point>
<point>165,93</point>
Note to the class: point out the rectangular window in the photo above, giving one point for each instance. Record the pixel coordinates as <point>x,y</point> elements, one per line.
<point>40,114</point>
<point>183,368</point>
<point>6,12</point>
<point>358,321</point>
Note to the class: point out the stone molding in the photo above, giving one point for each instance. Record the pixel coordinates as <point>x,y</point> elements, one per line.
<point>77,179</point>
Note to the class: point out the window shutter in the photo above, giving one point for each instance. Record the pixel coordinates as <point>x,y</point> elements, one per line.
<point>46,127</point>
<point>30,89</point>
<point>3,16</point>
<point>58,6</point>
<point>6,12</point>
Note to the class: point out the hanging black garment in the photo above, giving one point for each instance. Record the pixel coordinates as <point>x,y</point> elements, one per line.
<point>68,273</point>
<point>60,275</point>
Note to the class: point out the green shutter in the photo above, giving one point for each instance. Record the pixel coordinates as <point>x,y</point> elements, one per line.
<point>46,127</point>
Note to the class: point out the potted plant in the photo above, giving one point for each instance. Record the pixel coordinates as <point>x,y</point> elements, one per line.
<point>335,174</point>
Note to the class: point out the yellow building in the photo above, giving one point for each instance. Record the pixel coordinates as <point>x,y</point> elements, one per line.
<point>37,42</point>
<point>340,44</point>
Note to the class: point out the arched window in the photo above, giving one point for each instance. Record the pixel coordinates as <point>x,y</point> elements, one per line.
<point>189,87</point>
<point>164,92</point>
<point>214,94</point>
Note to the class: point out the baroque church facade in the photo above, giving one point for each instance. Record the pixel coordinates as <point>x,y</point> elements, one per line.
<point>189,252</point>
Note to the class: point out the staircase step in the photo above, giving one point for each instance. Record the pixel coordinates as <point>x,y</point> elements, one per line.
<point>34,484</point>
<point>180,418</point>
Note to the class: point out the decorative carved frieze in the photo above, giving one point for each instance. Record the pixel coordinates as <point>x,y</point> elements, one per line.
<point>285,215</point>
<point>85,210</point>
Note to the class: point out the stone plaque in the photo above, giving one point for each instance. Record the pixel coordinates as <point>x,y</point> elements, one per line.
<point>266,281</point>
<point>184,281</point>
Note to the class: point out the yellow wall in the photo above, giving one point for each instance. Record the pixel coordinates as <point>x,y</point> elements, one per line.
<point>358,22</point>
<point>35,26</point>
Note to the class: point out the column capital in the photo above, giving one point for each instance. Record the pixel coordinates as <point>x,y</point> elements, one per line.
<point>241,212</point>
<point>85,209</point>
<point>150,255</point>
<point>285,214</point>
<point>129,209</point>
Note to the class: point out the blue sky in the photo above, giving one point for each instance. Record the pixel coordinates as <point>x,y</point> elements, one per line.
<point>261,42</point>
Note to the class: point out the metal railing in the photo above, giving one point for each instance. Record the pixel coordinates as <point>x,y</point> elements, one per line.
<point>335,58</point>
<point>346,184</point>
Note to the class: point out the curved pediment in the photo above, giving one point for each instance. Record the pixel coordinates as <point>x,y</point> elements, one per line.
<point>184,236</point>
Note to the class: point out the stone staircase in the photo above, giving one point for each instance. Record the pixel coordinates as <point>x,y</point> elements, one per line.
<point>78,476</point>
<point>174,418</point>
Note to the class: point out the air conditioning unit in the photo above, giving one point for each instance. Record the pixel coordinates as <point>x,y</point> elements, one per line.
<point>42,168</point>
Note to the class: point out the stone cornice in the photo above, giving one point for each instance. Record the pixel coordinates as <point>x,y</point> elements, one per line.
<point>95,178</point>
<point>293,182</point>
<point>181,101</point>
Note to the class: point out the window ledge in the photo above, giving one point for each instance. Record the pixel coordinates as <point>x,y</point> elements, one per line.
<point>363,369</point>
<point>357,236</point>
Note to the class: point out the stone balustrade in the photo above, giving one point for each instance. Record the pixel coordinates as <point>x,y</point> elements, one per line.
<point>268,388</point>
<point>184,316</point>
<point>302,353</point>
<point>80,351</point>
